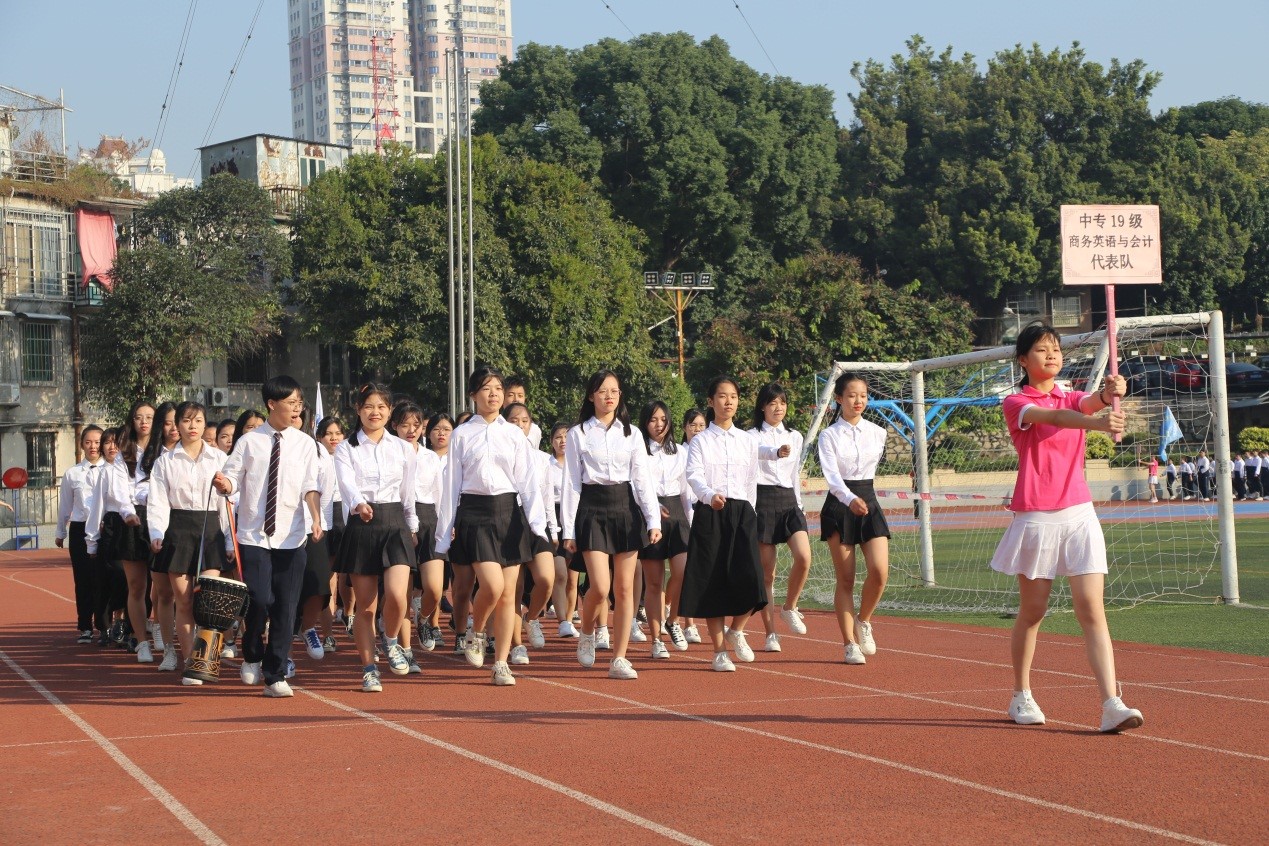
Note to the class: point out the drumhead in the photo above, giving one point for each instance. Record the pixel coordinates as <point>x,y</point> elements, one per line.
<point>226,582</point>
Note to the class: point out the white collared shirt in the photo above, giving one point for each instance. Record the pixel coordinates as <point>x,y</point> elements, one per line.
<point>76,495</point>
<point>382,472</point>
<point>181,483</point>
<point>543,462</point>
<point>1253,465</point>
<point>1239,464</point>
<point>725,461</point>
<point>427,478</point>
<point>595,454</point>
<point>1203,463</point>
<point>111,483</point>
<point>488,459</point>
<point>850,452</point>
<point>783,472</point>
<point>248,472</point>
<point>555,470</point>
<point>328,491</point>
<point>669,474</point>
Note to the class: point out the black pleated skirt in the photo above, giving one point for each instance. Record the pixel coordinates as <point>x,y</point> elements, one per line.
<point>182,540</point>
<point>366,548</point>
<point>837,519</point>
<point>426,547</point>
<point>317,568</point>
<point>675,531</point>
<point>779,517</point>
<point>108,541</point>
<point>491,528</point>
<point>609,520</point>
<point>132,543</point>
<point>724,574</point>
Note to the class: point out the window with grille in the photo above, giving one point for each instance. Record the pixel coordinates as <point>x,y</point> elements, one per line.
<point>35,252</point>
<point>39,353</point>
<point>41,450</point>
<point>1066,312</point>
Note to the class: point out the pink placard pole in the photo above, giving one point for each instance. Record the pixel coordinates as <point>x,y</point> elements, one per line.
<point>1112,343</point>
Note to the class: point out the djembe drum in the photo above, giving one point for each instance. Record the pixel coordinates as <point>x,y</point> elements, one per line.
<point>217,603</point>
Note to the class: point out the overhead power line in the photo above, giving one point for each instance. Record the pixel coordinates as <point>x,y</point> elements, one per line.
<point>224,94</point>
<point>609,7</point>
<point>177,64</point>
<point>755,36</point>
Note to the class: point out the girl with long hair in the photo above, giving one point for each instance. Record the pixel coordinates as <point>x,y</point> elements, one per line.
<point>669,473</point>
<point>541,567</point>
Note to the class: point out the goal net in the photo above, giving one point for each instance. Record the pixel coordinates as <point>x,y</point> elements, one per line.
<point>949,469</point>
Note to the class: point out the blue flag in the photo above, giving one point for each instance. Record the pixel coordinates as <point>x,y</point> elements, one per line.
<point>1169,431</point>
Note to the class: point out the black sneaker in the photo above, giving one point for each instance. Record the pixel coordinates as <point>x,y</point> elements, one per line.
<point>105,639</point>
<point>85,636</point>
<point>642,616</point>
<point>130,644</point>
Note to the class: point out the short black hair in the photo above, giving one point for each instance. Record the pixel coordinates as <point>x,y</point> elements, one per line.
<point>515,382</point>
<point>279,388</point>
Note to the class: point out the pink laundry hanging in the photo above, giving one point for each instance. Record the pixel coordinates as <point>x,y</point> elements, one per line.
<point>96,245</point>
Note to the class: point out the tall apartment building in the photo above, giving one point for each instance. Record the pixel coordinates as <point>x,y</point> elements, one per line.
<point>364,71</point>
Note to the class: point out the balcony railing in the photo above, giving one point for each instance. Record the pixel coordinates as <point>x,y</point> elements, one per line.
<point>25,166</point>
<point>24,283</point>
<point>287,201</point>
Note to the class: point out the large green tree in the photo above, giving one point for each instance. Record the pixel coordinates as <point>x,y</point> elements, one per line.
<point>201,280</point>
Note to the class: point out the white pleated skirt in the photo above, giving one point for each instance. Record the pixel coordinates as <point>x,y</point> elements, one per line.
<point>1048,544</point>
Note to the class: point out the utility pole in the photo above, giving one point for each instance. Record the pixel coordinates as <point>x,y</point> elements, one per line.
<point>677,291</point>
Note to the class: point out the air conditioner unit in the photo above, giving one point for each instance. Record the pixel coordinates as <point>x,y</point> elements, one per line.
<point>193,393</point>
<point>218,397</point>
<point>10,393</point>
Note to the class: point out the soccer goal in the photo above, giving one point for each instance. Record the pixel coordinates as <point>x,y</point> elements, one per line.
<point>949,469</point>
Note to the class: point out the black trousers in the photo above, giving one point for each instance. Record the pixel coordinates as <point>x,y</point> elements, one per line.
<point>88,581</point>
<point>1240,486</point>
<point>273,578</point>
<point>1205,488</point>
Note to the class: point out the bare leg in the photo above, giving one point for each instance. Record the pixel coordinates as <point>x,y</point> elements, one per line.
<point>674,588</point>
<point>1086,595</point>
<point>164,606</point>
<point>492,577</point>
<point>767,555</point>
<point>396,599</point>
<point>542,568</point>
<point>460,593</point>
<point>877,563</point>
<point>135,571</point>
<point>654,595</point>
<point>624,590</point>
<point>182,590</point>
<point>844,593</point>
<point>1033,602</point>
<point>800,547</point>
<point>366,592</point>
<point>595,603</point>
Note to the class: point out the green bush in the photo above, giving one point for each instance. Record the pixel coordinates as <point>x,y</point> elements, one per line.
<point>956,451</point>
<point>1125,459</point>
<point>1098,445</point>
<point>1131,438</point>
<point>1253,437</point>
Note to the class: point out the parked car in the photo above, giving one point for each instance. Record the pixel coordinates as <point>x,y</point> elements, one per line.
<point>1189,375</point>
<point>1150,375</point>
<point>1243,378</point>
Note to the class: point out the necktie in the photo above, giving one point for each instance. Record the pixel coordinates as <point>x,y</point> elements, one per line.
<point>271,498</point>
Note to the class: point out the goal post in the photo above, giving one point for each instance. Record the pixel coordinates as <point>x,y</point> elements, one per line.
<point>949,457</point>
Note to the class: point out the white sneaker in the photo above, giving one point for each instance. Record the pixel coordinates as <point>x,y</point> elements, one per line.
<point>863,633</point>
<point>692,635</point>
<point>536,639</point>
<point>144,655</point>
<point>313,642</point>
<point>1024,711</point>
<point>723,664</point>
<point>474,648</point>
<point>229,651</point>
<point>289,671</point>
<point>793,620</point>
<point>169,662</point>
<point>739,646</point>
<point>659,650</point>
<point>157,632</point>
<point>1116,716</point>
<point>396,660</point>
<point>855,655</point>
<point>370,682</point>
<point>502,674</point>
<point>586,650</point>
<point>772,644</point>
<point>620,668</point>
<point>636,633</point>
<point>250,673</point>
<point>188,681</point>
<point>602,639</point>
<point>278,690</point>
<point>567,629</point>
<point>520,655</point>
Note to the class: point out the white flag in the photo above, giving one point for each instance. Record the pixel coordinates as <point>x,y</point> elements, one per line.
<point>318,411</point>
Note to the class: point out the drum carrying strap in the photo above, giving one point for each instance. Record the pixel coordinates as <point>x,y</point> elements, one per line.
<point>233,533</point>
<point>202,536</point>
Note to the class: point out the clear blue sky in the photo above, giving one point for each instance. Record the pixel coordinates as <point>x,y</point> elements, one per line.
<point>114,58</point>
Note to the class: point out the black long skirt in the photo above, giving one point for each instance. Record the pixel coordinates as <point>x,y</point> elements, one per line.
<point>724,574</point>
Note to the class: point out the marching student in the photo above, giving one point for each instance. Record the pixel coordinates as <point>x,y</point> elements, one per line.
<point>564,588</point>
<point>1188,488</point>
<point>126,494</point>
<point>180,511</point>
<point>668,466</point>
<point>850,451</point>
<point>100,530</point>
<point>487,534</point>
<point>330,434</point>
<point>273,469</point>
<point>409,423</point>
<point>609,509</point>
<point>315,589</point>
<point>1257,471</point>
<point>1055,531</point>
<point>439,429</point>
<point>1171,474</point>
<point>75,499</point>
<point>516,391</point>
<point>1203,475</point>
<point>248,420</point>
<point>694,423</point>
<point>723,578</point>
<point>1152,477</point>
<point>779,508</point>
<point>225,431</point>
<point>376,475</point>
<point>162,602</point>
<point>1237,476</point>
<point>541,567</point>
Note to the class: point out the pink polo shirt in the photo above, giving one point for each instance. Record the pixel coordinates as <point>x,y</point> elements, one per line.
<point>1050,458</point>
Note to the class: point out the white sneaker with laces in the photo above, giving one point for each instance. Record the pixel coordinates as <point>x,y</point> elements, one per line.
<point>567,629</point>
<point>659,650</point>
<point>772,644</point>
<point>502,676</point>
<point>793,620</point>
<point>188,681</point>
<point>855,655</point>
<point>250,673</point>
<point>229,651</point>
<point>636,633</point>
<point>474,648</point>
<point>278,690</point>
<point>1117,717</point>
<point>863,633</point>
<point>159,644</point>
<point>692,635</point>
<point>586,650</point>
<point>170,661</point>
<point>602,639</point>
<point>1024,711</point>
<point>739,646</point>
<point>620,668</point>
<point>144,655</point>
<point>289,671</point>
<point>314,645</point>
<point>520,655</point>
<point>536,639</point>
<point>723,664</point>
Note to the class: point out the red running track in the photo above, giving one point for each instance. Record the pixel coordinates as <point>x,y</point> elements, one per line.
<point>914,747</point>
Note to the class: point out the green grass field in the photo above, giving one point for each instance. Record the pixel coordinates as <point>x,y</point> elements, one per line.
<point>1164,587</point>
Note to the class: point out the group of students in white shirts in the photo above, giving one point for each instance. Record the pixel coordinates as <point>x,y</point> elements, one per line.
<point>1249,471</point>
<point>411,500</point>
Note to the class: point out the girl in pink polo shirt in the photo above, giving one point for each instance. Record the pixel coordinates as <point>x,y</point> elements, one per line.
<point>1055,531</point>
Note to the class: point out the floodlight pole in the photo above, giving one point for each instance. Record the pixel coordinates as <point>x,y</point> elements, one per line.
<point>677,291</point>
